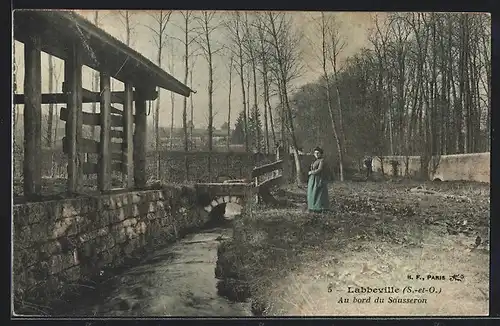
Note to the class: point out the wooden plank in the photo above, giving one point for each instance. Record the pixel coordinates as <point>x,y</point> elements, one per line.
<point>94,97</point>
<point>92,119</point>
<point>119,97</point>
<point>116,134</point>
<point>116,111</point>
<point>73,79</point>
<point>104,174</point>
<point>117,156</point>
<point>276,181</point>
<point>140,144</point>
<point>46,98</point>
<point>59,98</point>
<point>260,170</point>
<point>92,146</point>
<point>32,167</point>
<point>128,137</point>
<point>93,168</point>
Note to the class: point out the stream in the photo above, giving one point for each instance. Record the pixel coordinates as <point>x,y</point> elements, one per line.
<point>178,280</point>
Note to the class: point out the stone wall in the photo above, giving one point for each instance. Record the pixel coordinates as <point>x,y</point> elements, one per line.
<point>469,167</point>
<point>58,244</point>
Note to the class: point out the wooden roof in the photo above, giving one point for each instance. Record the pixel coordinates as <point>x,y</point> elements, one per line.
<point>101,51</point>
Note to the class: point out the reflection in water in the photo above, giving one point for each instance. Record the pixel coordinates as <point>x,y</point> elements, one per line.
<point>175,281</point>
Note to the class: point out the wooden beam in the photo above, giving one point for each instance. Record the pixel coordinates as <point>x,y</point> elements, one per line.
<point>260,170</point>
<point>140,143</point>
<point>92,146</point>
<point>94,168</point>
<point>92,119</point>
<point>119,97</point>
<point>87,97</point>
<point>117,156</point>
<point>46,98</point>
<point>73,79</point>
<point>276,181</point>
<point>104,175</point>
<point>32,167</point>
<point>128,137</point>
<point>117,134</point>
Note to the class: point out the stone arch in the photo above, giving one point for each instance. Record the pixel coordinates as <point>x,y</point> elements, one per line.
<point>224,200</point>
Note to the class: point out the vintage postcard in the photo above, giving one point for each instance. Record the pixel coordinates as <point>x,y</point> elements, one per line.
<point>250,163</point>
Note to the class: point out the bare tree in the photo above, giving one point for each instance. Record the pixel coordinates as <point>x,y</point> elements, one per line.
<point>264,58</point>
<point>335,47</point>
<point>191,125</point>
<point>186,41</point>
<point>328,31</point>
<point>172,96</point>
<point>285,42</point>
<point>160,37</point>
<point>234,26</point>
<point>128,23</point>
<point>250,45</point>
<point>207,24</point>
<point>228,141</point>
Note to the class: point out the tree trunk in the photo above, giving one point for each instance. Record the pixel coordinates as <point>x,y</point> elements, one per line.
<point>191,126</point>
<point>51,105</point>
<point>243,94</point>
<point>157,119</point>
<point>228,141</point>
<point>172,110</point>
<point>184,106</point>
<point>95,83</point>
<point>329,99</point>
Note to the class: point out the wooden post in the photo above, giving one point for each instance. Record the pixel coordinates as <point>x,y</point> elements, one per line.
<point>140,143</point>
<point>73,85</point>
<point>283,155</point>
<point>104,164</point>
<point>128,128</point>
<point>32,167</point>
<point>256,180</point>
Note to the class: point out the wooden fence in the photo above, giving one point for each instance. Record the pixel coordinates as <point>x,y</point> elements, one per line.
<point>267,176</point>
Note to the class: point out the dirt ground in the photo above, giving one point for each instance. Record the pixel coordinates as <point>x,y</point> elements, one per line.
<point>377,234</point>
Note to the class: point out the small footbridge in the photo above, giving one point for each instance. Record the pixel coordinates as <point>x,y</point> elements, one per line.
<point>256,188</point>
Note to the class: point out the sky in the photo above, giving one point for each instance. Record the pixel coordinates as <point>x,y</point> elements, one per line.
<point>354,28</point>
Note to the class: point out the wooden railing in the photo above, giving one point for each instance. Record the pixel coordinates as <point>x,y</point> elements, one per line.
<point>267,176</point>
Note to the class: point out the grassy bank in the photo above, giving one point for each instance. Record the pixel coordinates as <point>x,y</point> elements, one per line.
<point>291,262</point>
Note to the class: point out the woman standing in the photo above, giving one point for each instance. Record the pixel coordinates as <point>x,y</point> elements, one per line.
<point>317,185</point>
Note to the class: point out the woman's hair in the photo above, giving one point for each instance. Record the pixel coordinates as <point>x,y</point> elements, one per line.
<point>319,149</point>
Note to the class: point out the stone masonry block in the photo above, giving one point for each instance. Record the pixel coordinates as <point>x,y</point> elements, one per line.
<point>65,227</point>
<point>27,236</point>
<point>69,275</point>
<point>120,236</point>
<point>69,209</point>
<point>118,201</point>
<point>51,247</point>
<point>152,207</point>
<point>105,242</point>
<point>61,262</point>
<point>104,217</point>
<point>117,215</point>
<point>23,258</point>
<point>135,210</point>
<point>30,213</point>
<point>136,198</point>
<point>87,236</point>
